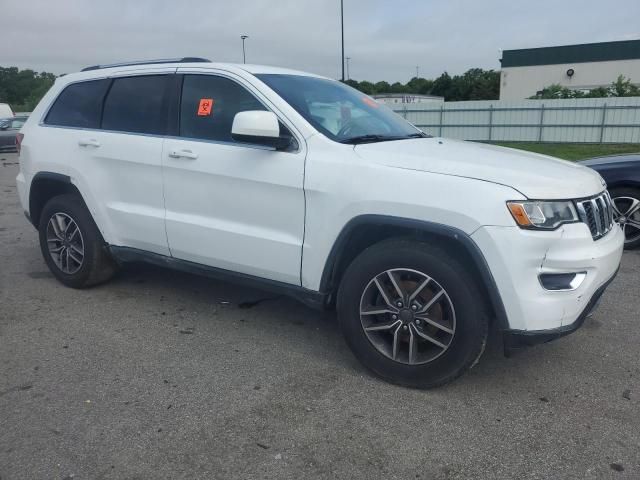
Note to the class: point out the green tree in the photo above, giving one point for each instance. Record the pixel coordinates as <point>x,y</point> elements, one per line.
<point>23,89</point>
<point>443,86</point>
<point>556,91</point>
<point>383,87</point>
<point>623,87</point>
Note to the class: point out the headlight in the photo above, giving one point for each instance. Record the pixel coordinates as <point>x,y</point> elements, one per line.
<point>542,215</point>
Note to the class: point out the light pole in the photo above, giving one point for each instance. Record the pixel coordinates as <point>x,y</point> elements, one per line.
<point>342,30</point>
<point>244,56</point>
<point>348,58</point>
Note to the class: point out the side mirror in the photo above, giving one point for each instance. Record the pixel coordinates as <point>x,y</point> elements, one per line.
<point>260,128</point>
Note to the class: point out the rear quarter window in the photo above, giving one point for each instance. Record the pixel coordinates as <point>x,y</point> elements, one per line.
<point>79,105</point>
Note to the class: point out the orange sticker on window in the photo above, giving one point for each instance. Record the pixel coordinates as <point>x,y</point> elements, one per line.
<point>370,101</point>
<point>205,107</point>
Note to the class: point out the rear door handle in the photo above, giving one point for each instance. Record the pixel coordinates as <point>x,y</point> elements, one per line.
<point>183,154</point>
<point>91,142</point>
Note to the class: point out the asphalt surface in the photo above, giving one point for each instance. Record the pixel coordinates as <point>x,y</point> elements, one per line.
<point>159,374</point>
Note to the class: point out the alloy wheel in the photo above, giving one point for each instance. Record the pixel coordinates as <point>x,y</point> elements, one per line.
<point>407,316</point>
<point>65,243</point>
<point>626,211</point>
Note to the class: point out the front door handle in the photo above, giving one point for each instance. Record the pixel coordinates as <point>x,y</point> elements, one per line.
<point>183,154</point>
<point>91,142</point>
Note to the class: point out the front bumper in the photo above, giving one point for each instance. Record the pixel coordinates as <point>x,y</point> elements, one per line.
<point>518,257</point>
<point>515,339</point>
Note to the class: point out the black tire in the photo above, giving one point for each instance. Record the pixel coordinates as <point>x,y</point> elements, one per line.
<point>97,266</point>
<point>632,234</point>
<point>471,320</point>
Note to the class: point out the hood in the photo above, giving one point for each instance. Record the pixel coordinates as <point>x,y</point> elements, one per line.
<point>536,176</point>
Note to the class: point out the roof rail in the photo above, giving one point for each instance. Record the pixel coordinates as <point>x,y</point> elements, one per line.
<point>149,62</point>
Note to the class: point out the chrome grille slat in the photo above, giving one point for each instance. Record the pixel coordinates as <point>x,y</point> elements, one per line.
<point>596,217</point>
<point>597,214</point>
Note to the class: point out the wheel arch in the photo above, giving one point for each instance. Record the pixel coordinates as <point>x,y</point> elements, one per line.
<point>366,230</point>
<point>45,186</point>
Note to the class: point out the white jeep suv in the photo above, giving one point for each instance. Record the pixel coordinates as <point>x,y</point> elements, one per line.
<point>303,185</point>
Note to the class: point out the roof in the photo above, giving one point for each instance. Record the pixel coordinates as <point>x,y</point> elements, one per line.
<point>586,52</point>
<point>158,66</point>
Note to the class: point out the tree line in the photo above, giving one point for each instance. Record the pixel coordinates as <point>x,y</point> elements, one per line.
<point>474,84</point>
<point>23,89</point>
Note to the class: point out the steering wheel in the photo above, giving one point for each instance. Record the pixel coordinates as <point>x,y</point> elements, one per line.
<point>361,126</point>
<point>346,129</point>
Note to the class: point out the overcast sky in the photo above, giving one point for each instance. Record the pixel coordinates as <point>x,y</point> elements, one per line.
<point>385,39</point>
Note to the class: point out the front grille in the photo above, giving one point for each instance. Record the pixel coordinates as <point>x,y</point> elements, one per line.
<point>597,214</point>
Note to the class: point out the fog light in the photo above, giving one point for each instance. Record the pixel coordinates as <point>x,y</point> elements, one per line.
<point>562,281</point>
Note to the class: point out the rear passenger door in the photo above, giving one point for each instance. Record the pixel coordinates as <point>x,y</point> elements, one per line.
<point>121,161</point>
<point>231,205</point>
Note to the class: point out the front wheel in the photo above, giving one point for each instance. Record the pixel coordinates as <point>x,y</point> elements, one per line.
<point>412,314</point>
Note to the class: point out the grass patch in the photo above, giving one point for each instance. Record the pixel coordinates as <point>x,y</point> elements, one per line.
<point>574,151</point>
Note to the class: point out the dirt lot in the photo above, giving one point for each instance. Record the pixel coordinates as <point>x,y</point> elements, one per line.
<point>165,375</point>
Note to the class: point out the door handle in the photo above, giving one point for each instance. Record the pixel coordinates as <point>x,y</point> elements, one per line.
<point>91,142</point>
<point>183,154</point>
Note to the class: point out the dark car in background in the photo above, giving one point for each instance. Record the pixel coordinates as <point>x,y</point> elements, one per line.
<point>622,174</point>
<point>9,127</point>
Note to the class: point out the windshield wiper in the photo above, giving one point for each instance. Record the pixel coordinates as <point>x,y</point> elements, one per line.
<point>368,139</point>
<point>380,138</point>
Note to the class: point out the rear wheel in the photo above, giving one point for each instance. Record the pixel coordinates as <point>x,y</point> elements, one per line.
<point>412,314</point>
<point>626,203</point>
<point>71,243</point>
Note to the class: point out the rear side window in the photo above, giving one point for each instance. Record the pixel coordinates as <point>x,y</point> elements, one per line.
<point>136,104</point>
<point>78,105</point>
<point>209,104</point>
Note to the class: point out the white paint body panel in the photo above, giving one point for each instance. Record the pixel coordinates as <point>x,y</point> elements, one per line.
<point>277,215</point>
<point>236,208</point>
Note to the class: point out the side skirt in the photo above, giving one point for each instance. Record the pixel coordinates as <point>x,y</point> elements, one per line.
<point>313,299</point>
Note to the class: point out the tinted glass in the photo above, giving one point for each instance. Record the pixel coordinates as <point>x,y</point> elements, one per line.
<point>136,104</point>
<point>18,123</point>
<point>337,110</point>
<point>209,104</point>
<point>79,105</point>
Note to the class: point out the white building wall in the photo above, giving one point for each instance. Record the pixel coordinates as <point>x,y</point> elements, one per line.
<point>517,83</point>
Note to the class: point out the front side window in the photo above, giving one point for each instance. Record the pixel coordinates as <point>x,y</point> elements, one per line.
<point>78,105</point>
<point>338,111</point>
<point>209,104</point>
<point>137,105</point>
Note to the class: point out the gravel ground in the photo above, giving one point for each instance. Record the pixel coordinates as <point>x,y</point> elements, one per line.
<point>161,374</point>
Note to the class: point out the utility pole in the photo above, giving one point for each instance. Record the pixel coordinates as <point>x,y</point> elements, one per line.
<point>244,56</point>
<point>348,58</point>
<point>342,30</point>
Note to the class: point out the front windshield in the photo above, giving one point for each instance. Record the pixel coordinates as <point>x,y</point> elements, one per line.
<point>338,111</point>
